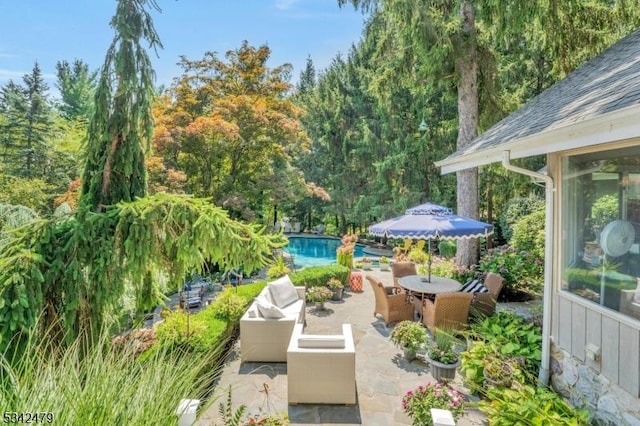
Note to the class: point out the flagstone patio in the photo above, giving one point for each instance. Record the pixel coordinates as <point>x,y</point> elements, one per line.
<point>383,376</point>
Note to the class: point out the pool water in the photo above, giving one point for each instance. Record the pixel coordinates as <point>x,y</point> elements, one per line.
<point>315,251</point>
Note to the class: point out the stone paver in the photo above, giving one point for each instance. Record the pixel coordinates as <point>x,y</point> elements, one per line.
<point>383,376</point>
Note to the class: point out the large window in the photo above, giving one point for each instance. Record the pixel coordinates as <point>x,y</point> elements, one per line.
<point>601,228</point>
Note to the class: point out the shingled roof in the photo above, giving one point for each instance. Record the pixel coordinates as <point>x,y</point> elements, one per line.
<point>599,102</point>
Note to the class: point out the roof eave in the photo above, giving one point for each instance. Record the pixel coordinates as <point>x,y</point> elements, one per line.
<point>611,127</point>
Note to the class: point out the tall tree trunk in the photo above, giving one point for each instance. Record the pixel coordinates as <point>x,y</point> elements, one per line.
<point>467,180</point>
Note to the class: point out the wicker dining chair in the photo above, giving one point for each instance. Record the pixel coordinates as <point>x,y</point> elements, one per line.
<point>391,305</point>
<point>448,310</point>
<point>484,304</point>
<point>402,269</point>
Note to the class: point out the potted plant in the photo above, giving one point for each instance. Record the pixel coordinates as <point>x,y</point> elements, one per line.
<point>319,295</point>
<point>336,287</point>
<point>441,355</point>
<point>410,336</point>
<point>366,263</point>
<point>384,263</point>
<point>419,402</point>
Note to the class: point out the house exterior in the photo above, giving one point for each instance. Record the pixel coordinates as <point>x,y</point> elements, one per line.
<point>588,126</point>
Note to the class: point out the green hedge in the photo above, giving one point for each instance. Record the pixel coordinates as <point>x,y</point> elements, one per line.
<point>210,328</point>
<point>447,248</point>
<point>315,276</point>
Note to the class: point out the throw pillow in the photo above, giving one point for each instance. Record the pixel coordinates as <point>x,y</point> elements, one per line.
<point>474,286</point>
<point>283,293</point>
<point>324,342</point>
<point>268,309</point>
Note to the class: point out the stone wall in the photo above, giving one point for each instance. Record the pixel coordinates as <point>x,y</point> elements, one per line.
<point>583,386</point>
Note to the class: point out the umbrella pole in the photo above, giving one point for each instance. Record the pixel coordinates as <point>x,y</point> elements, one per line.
<point>429,261</point>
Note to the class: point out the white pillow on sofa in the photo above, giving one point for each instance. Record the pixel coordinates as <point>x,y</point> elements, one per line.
<point>321,342</point>
<point>283,292</point>
<point>268,309</point>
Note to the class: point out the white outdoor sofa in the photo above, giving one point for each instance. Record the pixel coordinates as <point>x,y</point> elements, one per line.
<point>264,338</point>
<point>321,369</point>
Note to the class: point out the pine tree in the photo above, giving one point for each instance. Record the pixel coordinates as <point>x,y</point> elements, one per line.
<point>77,87</point>
<point>27,129</point>
<point>307,78</point>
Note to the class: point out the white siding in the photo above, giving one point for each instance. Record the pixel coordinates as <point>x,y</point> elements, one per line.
<point>619,340</point>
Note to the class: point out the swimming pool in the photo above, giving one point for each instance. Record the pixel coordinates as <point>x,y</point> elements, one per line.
<point>307,251</point>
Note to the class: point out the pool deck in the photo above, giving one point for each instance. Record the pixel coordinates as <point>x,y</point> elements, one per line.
<point>383,376</point>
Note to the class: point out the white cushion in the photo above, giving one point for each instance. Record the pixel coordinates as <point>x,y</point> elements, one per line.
<point>283,292</point>
<point>636,295</point>
<point>318,341</point>
<point>474,286</point>
<point>293,310</point>
<point>268,309</point>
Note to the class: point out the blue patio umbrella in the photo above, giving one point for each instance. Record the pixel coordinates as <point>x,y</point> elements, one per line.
<point>430,221</point>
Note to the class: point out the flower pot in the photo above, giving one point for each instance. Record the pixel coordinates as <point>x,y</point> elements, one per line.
<point>409,354</point>
<point>443,372</point>
<point>367,266</point>
<point>337,293</point>
<point>384,267</point>
<point>319,306</point>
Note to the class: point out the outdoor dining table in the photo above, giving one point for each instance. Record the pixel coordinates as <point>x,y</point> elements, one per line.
<point>420,286</point>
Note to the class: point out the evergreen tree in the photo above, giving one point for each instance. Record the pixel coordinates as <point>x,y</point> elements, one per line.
<point>13,107</point>
<point>121,127</point>
<point>77,86</point>
<point>307,78</point>
<point>28,126</point>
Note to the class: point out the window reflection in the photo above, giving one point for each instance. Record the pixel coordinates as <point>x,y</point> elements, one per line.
<point>601,228</point>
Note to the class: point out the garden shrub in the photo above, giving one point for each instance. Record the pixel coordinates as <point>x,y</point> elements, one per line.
<point>530,405</point>
<point>506,338</point>
<point>319,275</point>
<point>228,306</point>
<point>249,291</point>
<point>515,209</point>
<point>278,269</point>
<point>521,270</point>
<point>513,335</point>
<point>417,255</point>
<point>447,268</point>
<point>200,332</point>
<point>529,233</point>
<point>447,248</point>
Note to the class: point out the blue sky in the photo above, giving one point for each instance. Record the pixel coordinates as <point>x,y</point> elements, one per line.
<point>48,31</point>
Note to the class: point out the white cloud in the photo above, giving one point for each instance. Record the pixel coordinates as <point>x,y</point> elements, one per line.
<point>10,74</point>
<point>285,4</point>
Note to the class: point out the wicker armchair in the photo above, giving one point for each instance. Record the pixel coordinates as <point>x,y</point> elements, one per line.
<point>392,306</point>
<point>449,311</point>
<point>484,304</point>
<point>402,269</point>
